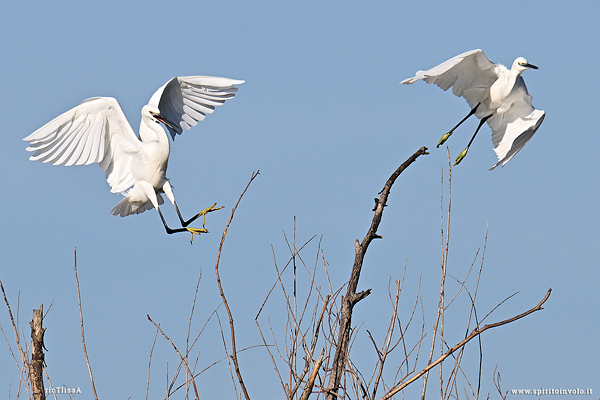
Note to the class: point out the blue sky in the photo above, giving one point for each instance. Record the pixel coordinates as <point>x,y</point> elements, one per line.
<point>323,117</point>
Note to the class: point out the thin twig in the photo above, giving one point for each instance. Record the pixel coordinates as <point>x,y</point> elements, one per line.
<point>227,355</point>
<point>386,347</point>
<point>173,391</point>
<point>81,320</point>
<point>311,380</point>
<point>445,245</point>
<point>473,334</point>
<point>48,377</point>
<point>187,340</point>
<point>180,356</point>
<point>150,363</point>
<point>233,346</point>
<point>496,380</point>
<point>22,354</point>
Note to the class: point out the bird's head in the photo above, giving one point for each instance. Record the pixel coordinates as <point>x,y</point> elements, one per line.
<point>152,112</point>
<point>521,65</point>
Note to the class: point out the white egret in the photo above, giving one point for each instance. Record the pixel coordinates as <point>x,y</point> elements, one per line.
<point>497,95</point>
<point>96,131</point>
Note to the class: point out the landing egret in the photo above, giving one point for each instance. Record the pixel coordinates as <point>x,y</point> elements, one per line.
<point>96,131</point>
<point>497,95</point>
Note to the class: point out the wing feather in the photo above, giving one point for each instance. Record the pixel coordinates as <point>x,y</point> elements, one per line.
<point>188,99</point>
<point>515,135</point>
<point>96,131</point>
<point>469,75</point>
<point>51,151</point>
<point>87,154</point>
<point>75,148</point>
<point>71,147</point>
<point>512,129</point>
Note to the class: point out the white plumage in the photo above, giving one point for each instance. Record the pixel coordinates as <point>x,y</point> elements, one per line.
<point>497,95</point>
<point>96,131</point>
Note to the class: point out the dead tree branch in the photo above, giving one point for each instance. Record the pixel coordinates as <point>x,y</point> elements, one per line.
<point>233,345</point>
<point>476,332</point>
<point>351,297</point>
<point>36,366</point>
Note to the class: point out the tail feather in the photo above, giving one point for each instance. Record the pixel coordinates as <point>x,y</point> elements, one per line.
<point>125,207</point>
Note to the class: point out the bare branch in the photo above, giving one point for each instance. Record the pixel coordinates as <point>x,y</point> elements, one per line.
<point>445,244</point>
<point>22,353</point>
<point>233,346</point>
<point>311,380</point>
<point>48,377</point>
<point>180,356</point>
<point>150,363</point>
<point>81,320</point>
<point>351,298</point>
<point>496,379</point>
<point>386,347</point>
<point>473,334</point>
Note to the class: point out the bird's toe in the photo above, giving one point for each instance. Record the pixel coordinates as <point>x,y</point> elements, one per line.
<point>444,138</point>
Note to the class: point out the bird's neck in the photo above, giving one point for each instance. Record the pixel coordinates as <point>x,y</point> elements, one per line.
<point>151,131</point>
<point>502,87</point>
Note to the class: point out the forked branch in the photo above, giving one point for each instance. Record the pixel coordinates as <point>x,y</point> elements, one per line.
<point>351,298</point>
<point>476,332</point>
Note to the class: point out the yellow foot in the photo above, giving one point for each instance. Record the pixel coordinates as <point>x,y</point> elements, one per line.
<point>444,138</point>
<point>461,156</point>
<point>195,231</point>
<point>206,211</point>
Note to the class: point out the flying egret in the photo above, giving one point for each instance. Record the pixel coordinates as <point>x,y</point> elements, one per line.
<point>497,95</point>
<point>96,131</point>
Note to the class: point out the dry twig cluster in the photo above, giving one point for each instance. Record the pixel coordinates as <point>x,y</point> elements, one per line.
<point>314,356</point>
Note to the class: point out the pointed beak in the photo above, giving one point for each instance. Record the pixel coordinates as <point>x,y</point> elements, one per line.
<point>530,66</point>
<point>165,121</point>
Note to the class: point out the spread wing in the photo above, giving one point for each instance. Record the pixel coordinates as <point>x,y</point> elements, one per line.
<point>469,75</point>
<point>512,129</point>
<point>186,100</point>
<point>96,131</point>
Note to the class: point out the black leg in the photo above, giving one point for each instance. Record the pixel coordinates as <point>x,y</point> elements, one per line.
<point>478,128</point>
<point>200,214</point>
<point>447,135</point>
<point>464,152</point>
<point>171,231</point>
<point>473,111</point>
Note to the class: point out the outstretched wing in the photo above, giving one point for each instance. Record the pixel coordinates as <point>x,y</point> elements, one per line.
<point>96,131</point>
<point>512,129</point>
<point>469,75</point>
<point>186,100</point>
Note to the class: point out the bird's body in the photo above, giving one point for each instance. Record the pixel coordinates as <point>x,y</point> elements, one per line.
<point>96,131</point>
<point>149,166</point>
<point>497,95</point>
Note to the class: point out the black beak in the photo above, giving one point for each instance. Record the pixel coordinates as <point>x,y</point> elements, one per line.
<point>166,121</point>
<point>530,66</point>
